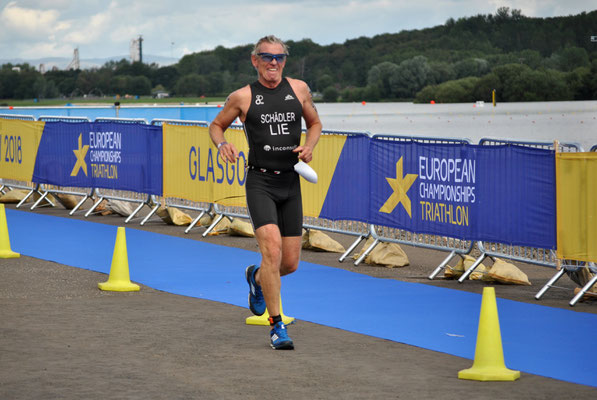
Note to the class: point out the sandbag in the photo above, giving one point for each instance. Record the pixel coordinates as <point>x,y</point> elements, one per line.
<point>163,213</point>
<point>173,216</point>
<point>15,196</point>
<point>179,217</point>
<point>465,262</point>
<point>120,207</point>
<point>205,220</point>
<point>581,277</point>
<point>240,227</point>
<point>319,241</point>
<point>389,255</point>
<point>386,254</point>
<point>68,201</point>
<point>505,272</point>
<point>590,295</point>
<point>102,208</point>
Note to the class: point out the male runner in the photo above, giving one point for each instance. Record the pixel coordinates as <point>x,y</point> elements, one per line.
<point>271,110</point>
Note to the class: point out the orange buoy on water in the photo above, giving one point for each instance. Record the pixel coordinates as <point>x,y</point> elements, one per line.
<point>363,102</point>
<point>432,102</point>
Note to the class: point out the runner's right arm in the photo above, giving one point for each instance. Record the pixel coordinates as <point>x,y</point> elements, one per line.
<point>232,109</point>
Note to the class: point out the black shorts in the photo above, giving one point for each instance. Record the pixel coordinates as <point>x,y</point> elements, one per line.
<point>275,199</point>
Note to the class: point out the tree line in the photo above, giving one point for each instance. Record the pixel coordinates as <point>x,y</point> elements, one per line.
<point>521,58</point>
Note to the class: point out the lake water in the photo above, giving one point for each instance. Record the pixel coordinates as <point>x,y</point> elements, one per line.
<point>574,121</point>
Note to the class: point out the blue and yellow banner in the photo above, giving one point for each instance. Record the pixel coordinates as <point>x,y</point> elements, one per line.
<point>516,196</point>
<point>577,206</point>
<point>193,169</point>
<point>101,155</point>
<point>503,194</point>
<point>19,141</point>
<point>348,195</point>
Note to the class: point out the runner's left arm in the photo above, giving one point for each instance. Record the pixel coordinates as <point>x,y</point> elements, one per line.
<point>312,122</point>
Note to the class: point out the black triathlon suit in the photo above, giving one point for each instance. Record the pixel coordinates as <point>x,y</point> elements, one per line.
<point>273,130</point>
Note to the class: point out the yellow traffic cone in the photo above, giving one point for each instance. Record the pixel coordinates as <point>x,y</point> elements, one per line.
<point>489,357</point>
<point>119,280</point>
<point>5,251</point>
<point>264,319</point>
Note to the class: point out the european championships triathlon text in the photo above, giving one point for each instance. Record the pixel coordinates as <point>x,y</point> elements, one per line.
<point>446,180</point>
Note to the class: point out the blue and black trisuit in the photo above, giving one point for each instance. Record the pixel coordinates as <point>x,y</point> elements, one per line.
<point>273,130</point>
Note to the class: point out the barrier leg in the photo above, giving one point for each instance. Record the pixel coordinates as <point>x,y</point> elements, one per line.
<point>93,207</point>
<point>25,198</point>
<point>79,204</point>
<point>550,283</point>
<point>195,222</point>
<point>352,247</point>
<point>153,211</point>
<point>126,221</point>
<point>442,265</point>
<point>582,291</point>
<point>472,268</point>
<point>366,252</point>
<point>41,198</point>
<point>213,225</point>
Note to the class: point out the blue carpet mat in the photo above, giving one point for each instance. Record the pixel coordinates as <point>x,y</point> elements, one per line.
<point>536,339</point>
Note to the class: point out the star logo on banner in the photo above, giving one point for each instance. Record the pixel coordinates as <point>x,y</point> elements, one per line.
<point>400,185</point>
<point>80,153</point>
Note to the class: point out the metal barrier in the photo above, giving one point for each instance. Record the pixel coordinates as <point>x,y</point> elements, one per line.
<point>202,207</point>
<point>346,227</point>
<point>13,184</point>
<point>427,241</point>
<point>538,256</point>
<point>86,193</point>
<point>223,211</point>
<point>58,118</point>
<point>18,116</point>
<point>352,228</point>
<point>122,120</point>
<point>591,266</point>
<point>141,199</point>
<point>530,255</point>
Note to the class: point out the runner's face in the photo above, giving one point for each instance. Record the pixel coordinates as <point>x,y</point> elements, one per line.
<point>270,73</point>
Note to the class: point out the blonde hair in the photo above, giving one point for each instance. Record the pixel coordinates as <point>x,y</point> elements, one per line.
<point>269,39</point>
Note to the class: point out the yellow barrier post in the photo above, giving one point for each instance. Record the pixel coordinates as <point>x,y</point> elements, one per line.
<point>489,357</point>
<point>119,280</point>
<point>5,251</point>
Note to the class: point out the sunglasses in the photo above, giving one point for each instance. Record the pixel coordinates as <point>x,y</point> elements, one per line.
<point>269,57</point>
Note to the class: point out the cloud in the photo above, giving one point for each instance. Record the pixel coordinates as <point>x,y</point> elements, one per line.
<point>26,23</point>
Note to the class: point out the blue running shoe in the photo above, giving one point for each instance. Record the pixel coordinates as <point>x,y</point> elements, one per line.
<point>279,338</point>
<point>256,300</point>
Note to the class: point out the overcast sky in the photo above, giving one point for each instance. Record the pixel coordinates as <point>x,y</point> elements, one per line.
<point>32,29</point>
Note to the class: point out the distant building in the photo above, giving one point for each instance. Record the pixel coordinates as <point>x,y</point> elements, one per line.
<point>75,63</point>
<point>136,49</point>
